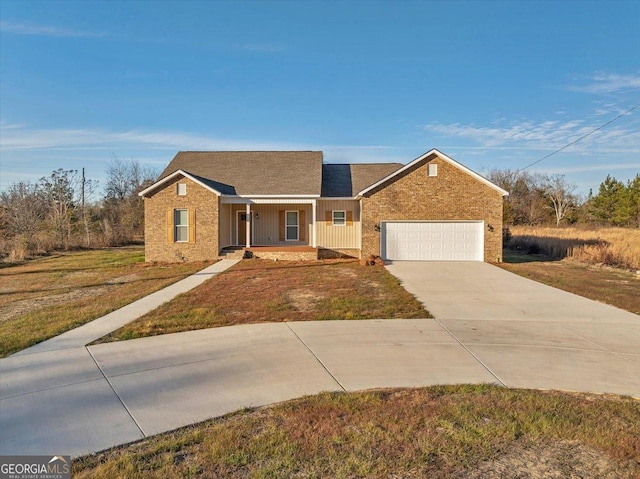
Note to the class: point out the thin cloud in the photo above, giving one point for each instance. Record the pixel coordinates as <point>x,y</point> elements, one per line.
<point>25,139</point>
<point>18,141</point>
<point>28,28</point>
<point>609,83</point>
<point>545,135</point>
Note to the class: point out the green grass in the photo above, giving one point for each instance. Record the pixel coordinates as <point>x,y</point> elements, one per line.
<point>255,291</point>
<point>42,298</point>
<point>435,432</point>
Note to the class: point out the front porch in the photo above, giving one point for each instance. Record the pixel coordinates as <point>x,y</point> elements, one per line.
<point>273,222</point>
<point>284,253</point>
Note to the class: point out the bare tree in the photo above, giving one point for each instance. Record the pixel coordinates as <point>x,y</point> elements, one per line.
<point>23,210</point>
<point>526,201</point>
<point>560,194</point>
<point>123,208</point>
<point>61,191</point>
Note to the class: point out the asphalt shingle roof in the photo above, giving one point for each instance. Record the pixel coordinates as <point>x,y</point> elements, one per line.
<point>347,180</point>
<point>253,172</point>
<point>278,173</point>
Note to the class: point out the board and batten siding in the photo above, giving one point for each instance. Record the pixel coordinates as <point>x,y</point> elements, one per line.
<point>266,227</point>
<point>226,238</point>
<point>340,237</point>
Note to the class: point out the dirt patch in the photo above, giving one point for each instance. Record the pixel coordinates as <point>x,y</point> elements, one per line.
<point>129,278</point>
<point>25,306</point>
<point>303,300</point>
<point>560,460</point>
<point>349,273</point>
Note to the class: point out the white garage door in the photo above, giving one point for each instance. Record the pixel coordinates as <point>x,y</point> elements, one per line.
<point>433,241</point>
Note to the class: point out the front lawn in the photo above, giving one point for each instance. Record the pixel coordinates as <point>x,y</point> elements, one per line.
<point>256,291</point>
<point>45,297</point>
<point>471,432</point>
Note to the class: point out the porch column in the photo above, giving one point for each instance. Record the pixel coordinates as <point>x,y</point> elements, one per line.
<point>248,225</point>
<point>313,218</point>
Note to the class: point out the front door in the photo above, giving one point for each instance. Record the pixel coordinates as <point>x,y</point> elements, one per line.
<point>242,228</point>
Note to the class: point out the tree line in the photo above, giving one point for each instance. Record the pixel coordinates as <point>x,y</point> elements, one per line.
<point>538,199</point>
<point>60,212</point>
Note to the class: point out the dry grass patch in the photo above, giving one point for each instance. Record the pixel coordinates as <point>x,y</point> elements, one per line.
<point>436,432</point>
<point>42,298</point>
<point>618,247</point>
<point>255,291</point>
<point>612,286</point>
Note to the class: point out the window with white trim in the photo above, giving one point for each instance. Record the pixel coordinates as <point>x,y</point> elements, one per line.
<point>182,189</point>
<point>339,218</point>
<point>292,226</point>
<point>181,226</point>
<point>432,169</point>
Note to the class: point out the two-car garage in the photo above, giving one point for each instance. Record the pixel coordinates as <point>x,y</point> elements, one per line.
<point>432,240</point>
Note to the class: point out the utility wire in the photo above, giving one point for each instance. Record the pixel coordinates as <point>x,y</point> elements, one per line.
<point>578,139</point>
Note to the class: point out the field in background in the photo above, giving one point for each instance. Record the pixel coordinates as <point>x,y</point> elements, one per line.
<point>618,247</point>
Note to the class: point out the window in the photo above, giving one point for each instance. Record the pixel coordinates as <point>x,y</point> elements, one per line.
<point>182,189</point>
<point>181,226</point>
<point>339,218</point>
<point>432,169</point>
<point>291,226</point>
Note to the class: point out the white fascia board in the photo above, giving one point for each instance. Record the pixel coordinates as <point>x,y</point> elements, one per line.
<point>443,157</point>
<point>274,196</point>
<point>338,198</point>
<point>244,200</point>
<point>282,201</point>
<point>173,175</point>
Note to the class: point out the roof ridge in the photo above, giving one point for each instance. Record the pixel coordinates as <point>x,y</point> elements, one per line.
<point>250,151</point>
<point>375,164</point>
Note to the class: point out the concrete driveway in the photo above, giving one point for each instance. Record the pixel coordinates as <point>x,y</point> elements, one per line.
<point>491,327</point>
<point>528,334</point>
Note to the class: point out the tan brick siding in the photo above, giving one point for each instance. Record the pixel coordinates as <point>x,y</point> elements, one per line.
<point>452,195</point>
<point>206,205</point>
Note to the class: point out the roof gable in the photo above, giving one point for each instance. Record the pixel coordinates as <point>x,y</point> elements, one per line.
<point>427,157</point>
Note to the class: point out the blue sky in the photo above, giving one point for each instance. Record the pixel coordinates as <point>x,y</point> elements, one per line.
<point>492,84</point>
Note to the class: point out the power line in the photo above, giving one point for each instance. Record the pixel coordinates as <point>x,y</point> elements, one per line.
<point>578,139</point>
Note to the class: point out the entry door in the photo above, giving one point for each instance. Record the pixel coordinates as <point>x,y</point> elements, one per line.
<point>242,228</point>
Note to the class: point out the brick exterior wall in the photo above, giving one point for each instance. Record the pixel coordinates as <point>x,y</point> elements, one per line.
<point>452,195</point>
<point>206,206</point>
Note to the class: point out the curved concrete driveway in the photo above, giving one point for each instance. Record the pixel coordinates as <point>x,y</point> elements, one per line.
<point>492,327</point>
<point>528,334</point>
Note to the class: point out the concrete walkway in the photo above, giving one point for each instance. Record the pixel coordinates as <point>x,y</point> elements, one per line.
<point>83,399</point>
